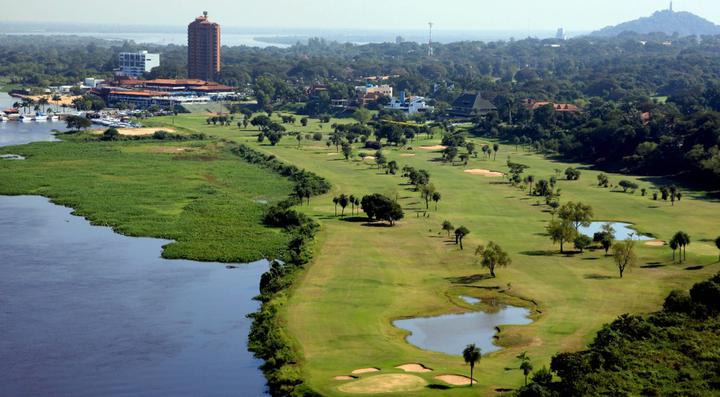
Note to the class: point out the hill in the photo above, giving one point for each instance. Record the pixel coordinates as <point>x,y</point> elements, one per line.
<point>666,21</point>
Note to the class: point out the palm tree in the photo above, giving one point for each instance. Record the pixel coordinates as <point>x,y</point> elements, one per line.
<point>472,355</point>
<point>496,148</point>
<point>336,200</point>
<point>526,367</point>
<point>683,240</point>
<point>717,244</point>
<point>57,98</point>
<point>460,234</point>
<point>343,200</point>
<point>674,246</point>
<point>448,227</point>
<point>673,194</point>
<point>352,205</point>
<point>436,196</point>
<point>43,102</point>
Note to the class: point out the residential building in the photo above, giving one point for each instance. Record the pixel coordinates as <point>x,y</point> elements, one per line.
<point>135,64</point>
<point>532,104</point>
<point>371,93</point>
<point>471,105</point>
<point>410,104</point>
<point>203,49</point>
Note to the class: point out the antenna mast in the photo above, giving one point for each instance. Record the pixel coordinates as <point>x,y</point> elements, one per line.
<point>431,52</point>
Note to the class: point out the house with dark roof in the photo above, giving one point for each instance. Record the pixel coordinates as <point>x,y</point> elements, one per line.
<point>471,105</point>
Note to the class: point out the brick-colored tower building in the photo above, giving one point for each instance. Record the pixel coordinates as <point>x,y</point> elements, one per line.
<point>203,49</point>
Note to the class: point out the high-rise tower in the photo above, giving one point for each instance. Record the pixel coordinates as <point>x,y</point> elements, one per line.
<point>431,51</point>
<point>203,49</point>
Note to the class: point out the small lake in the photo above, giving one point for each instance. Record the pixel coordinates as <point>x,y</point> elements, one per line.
<point>622,231</point>
<point>451,333</point>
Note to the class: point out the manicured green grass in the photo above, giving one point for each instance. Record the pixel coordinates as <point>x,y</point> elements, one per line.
<point>341,309</point>
<point>196,193</point>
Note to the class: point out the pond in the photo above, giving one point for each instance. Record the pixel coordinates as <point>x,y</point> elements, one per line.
<point>622,231</point>
<point>450,333</point>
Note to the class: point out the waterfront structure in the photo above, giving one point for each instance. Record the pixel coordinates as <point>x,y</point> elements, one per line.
<point>203,49</point>
<point>135,64</point>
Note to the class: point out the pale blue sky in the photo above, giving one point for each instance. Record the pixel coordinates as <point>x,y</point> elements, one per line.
<point>359,14</point>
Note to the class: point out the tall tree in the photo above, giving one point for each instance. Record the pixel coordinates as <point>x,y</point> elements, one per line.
<point>343,200</point>
<point>683,240</point>
<point>526,367</point>
<point>496,149</point>
<point>561,231</point>
<point>624,255</point>
<point>436,196</point>
<point>472,355</point>
<point>460,234</point>
<point>493,257</point>
<point>578,213</point>
<point>427,191</point>
<point>673,246</point>
<point>448,227</point>
<point>336,201</point>
<point>717,244</point>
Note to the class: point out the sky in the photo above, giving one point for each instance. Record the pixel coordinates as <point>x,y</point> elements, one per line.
<point>578,15</point>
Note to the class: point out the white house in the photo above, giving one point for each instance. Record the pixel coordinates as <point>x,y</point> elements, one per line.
<point>412,104</point>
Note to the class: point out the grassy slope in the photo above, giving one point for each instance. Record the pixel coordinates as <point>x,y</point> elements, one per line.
<point>203,197</point>
<point>363,277</point>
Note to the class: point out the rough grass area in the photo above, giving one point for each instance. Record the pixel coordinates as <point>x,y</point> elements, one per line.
<point>341,308</point>
<point>203,197</point>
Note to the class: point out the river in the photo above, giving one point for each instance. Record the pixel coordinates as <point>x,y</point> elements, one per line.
<point>87,312</point>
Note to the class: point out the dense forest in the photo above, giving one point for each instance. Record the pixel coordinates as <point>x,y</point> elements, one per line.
<point>674,352</point>
<point>649,103</point>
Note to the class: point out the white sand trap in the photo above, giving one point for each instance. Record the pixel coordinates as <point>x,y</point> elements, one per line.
<point>344,377</point>
<point>332,154</point>
<point>486,173</point>
<point>388,383</point>
<point>655,243</point>
<point>414,368</point>
<point>136,131</point>
<point>364,371</point>
<point>369,159</point>
<point>435,147</point>
<point>455,380</point>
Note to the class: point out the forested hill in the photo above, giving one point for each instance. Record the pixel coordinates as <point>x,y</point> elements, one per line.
<point>668,22</point>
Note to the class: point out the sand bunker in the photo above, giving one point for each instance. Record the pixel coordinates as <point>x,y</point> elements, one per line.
<point>370,159</point>
<point>407,155</point>
<point>137,131</point>
<point>364,370</point>
<point>332,154</point>
<point>344,377</point>
<point>388,383</point>
<point>455,380</point>
<point>435,147</point>
<point>414,368</point>
<point>486,173</point>
<point>655,243</point>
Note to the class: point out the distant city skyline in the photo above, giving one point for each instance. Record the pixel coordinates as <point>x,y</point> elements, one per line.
<point>359,14</point>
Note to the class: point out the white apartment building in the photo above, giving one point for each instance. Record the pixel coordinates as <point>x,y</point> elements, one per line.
<point>134,64</point>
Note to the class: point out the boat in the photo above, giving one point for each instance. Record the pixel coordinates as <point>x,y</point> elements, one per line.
<point>25,118</point>
<point>39,116</point>
<point>53,117</point>
<point>3,118</point>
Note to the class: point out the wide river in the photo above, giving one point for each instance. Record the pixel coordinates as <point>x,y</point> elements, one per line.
<point>87,312</point>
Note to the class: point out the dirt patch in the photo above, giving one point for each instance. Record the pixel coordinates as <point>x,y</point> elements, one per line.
<point>413,367</point>
<point>455,380</point>
<point>388,383</point>
<point>407,155</point>
<point>655,243</point>
<point>170,149</point>
<point>435,147</point>
<point>364,371</point>
<point>344,377</point>
<point>486,173</point>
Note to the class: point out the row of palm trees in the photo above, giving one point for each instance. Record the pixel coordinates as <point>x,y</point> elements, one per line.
<point>472,355</point>
<point>344,200</point>
<point>40,105</point>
